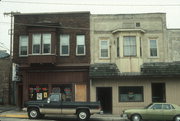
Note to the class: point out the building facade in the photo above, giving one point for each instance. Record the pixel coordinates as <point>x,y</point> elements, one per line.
<point>52,51</point>
<point>130,59</point>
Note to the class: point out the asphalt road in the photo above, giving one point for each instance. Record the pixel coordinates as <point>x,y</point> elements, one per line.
<point>49,119</point>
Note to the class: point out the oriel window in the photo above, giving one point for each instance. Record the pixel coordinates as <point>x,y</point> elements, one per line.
<point>46,43</point>
<point>36,41</point>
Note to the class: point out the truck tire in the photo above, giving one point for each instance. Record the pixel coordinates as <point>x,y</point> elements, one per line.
<point>83,115</point>
<point>33,113</point>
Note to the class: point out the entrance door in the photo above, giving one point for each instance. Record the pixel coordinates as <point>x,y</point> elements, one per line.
<point>104,95</point>
<point>158,92</point>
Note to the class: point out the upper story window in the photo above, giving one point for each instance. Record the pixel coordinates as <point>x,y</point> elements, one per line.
<point>104,49</point>
<point>129,45</point>
<point>153,48</point>
<point>23,45</point>
<point>46,38</point>
<point>80,45</point>
<point>41,42</point>
<point>64,45</point>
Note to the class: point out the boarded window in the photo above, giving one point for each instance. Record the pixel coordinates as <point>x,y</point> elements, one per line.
<point>80,92</point>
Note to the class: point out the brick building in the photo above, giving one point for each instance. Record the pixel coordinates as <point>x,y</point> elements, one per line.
<point>52,51</point>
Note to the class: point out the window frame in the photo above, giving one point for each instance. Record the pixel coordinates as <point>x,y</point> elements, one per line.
<point>20,45</point>
<point>156,48</point>
<point>129,46</point>
<point>39,44</point>
<point>77,54</point>
<point>61,54</point>
<point>42,43</point>
<point>100,48</point>
<point>119,93</point>
<point>117,47</point>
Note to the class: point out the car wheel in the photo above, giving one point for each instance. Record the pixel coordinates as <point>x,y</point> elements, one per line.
<point>177,118</point>
<point>83,115</point>
<point>33,113</point>
<point>136,117</point>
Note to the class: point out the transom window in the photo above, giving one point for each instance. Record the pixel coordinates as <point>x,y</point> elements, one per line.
<point>23,45</point>
<point>64,45</point>
<point>80,45</point>
<point>104,49</point>
<point>153,48</point>
<point>131,94</point>
<point>129,45</point>
<point>41,40</point>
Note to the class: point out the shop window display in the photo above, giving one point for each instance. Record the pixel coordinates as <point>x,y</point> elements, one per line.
<point>38,92</point>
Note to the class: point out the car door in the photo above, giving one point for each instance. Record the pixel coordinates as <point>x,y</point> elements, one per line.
<point>168,112</point>
<point>53,105</point>
<point>155,112</point>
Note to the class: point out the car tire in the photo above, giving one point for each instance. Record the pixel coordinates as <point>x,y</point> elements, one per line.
<point>177,118</point>
<point>33,113</point>
<point>136,117</point>
<point>83,115</point>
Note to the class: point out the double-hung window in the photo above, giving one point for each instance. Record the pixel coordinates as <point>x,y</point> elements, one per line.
<point>23,45</point>
<point>153,48</point>
<point>41,43</point>
<point>64,45</point>
<point>129,45</point>
<point>104,49</point>
<point>46,39</point>
<point>36,43</point>
<point>80,45</point>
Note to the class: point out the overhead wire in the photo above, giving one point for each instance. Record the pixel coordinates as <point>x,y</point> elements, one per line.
<point>91,4</point>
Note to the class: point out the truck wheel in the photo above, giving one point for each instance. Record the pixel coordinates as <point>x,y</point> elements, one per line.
<point>33,113</point>
<point>83,115</point>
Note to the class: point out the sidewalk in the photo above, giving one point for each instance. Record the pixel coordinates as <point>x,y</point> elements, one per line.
<point>14,112</point>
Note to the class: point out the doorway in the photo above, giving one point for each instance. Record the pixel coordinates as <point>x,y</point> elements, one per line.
<point>158,92</point>
<point>104,95</point>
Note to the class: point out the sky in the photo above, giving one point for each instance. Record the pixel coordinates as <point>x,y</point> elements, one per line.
<point>170,7</point>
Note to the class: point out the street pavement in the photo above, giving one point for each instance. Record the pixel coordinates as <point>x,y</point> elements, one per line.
<point>8,113</point>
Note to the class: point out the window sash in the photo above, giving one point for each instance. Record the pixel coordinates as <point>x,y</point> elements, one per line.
<point>129,46</point>
<point>36,40</point>
<point>23,45</point>
<point>46,43</point>
<point>104,48</point>
<point>153,48</point>
<point>80,44</point>
<point>64,44</point>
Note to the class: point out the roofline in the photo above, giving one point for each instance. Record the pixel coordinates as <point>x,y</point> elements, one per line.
<point>129,14</point>
<point>71,12</point>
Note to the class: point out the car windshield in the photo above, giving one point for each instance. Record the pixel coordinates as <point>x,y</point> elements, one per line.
<point>148,106</point>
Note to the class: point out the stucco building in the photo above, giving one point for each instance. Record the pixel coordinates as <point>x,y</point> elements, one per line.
<point>132,61</point>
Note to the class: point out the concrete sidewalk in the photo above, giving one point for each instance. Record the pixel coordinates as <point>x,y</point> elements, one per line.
<point>13,112</point>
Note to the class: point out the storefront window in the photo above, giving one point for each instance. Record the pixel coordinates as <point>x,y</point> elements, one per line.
<point>38,92</point>
<point>65,90</point>
<point>131,94</point>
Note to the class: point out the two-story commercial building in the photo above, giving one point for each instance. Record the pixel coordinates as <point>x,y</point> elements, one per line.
<point>132,61</point>
<point>52,51</point>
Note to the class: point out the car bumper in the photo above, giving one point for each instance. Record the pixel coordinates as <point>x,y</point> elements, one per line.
<point>124,116</point>
<point>24,109</point>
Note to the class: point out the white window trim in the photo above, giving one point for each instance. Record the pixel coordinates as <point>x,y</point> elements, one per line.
<point>150,50</point>
<point>84,46</point>
<point>33,44</point>
<point>100,49</point>
<point>42,42</point>
<point>61,46</point>
<point>27,47</point>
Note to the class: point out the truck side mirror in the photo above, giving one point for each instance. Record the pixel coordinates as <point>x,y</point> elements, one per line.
<point>48,100</point>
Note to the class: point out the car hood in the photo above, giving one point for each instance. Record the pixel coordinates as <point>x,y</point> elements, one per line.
<point>134,110</point>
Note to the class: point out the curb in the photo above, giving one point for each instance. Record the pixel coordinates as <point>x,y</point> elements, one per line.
<point>14,116</point>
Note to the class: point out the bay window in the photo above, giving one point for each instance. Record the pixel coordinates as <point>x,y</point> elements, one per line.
<point>46,38</point>
<point>36,43</point>
<point>129,45</point>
